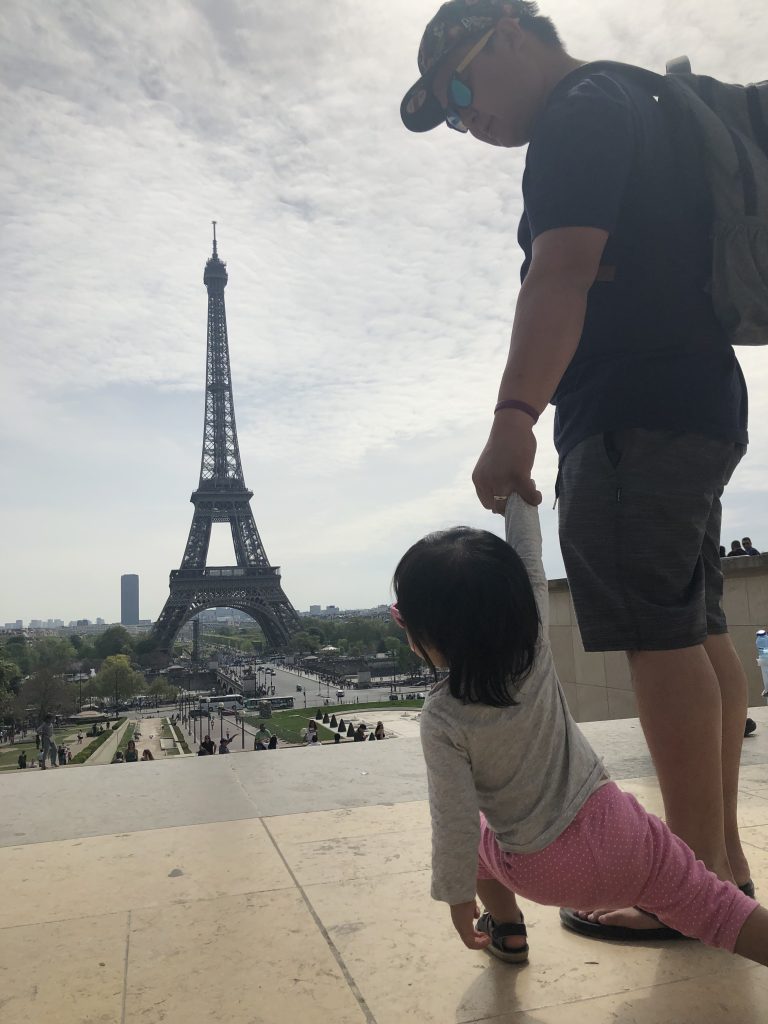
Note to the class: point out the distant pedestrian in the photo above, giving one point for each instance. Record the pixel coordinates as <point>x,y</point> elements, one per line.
<point>209,745</point>
<point>118,758</point>
<point>40,759</point>
<point>311,736</point>
<point>48,744</point>
<point>746,544</point>
<point>23,759</point>
<point>62,754</point>
<point>379,732</point>
<point>224,745</point>
<point>723,553</point>
<point>262,737</point>
<point>69,755</point>
<point>360,733</point>
<point>736,550</point>
<point>131,753</point>
<point>37,740</point>
<point>79,737</point>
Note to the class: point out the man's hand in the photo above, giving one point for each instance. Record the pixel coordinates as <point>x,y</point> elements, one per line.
<point>463,916</point>
<point>506,462</point>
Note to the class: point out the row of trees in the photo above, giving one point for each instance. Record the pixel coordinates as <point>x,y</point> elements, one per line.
<point>55,675</point>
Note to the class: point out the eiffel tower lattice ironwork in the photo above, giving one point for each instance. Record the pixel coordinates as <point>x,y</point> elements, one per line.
<point>253,585</point>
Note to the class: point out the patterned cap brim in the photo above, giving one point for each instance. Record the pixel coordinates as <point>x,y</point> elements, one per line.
<point>421,111</point>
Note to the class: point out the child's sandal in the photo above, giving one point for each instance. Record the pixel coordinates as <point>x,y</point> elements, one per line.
<point>498,932</point>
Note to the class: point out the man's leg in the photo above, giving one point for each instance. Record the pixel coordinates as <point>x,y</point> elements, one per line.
<point>733,691</point>
<point>691,704</point>
<point>679,704</point>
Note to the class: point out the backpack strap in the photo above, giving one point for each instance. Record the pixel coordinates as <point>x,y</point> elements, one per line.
<point>649,80</point>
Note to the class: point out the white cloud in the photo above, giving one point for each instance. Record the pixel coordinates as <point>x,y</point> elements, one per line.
<point>372,281</point>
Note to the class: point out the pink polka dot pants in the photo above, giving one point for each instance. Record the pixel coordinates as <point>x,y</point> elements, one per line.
<point>614,854</point>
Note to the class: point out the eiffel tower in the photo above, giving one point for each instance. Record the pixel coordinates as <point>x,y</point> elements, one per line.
<point>253,585</point>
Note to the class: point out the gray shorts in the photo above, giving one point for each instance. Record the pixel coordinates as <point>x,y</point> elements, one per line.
<point>639,529</point>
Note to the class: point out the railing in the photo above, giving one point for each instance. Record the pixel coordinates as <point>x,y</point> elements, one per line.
<point>226,572</point>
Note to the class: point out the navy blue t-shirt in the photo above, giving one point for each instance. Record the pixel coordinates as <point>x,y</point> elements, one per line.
<point>652,353</point>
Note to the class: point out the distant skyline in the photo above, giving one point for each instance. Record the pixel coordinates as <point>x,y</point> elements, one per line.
<point>372,281</point>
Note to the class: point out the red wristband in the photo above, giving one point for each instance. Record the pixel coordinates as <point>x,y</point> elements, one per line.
<point>512,403</point>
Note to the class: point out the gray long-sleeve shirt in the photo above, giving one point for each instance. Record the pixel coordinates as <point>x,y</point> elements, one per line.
<point>527,767</point>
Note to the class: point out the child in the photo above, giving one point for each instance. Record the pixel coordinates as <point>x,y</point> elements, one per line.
<point>520,802</point>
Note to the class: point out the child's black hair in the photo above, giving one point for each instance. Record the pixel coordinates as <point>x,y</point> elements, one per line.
<point>466,593</point>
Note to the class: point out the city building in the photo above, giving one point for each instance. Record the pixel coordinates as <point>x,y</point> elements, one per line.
<point>129,600</point>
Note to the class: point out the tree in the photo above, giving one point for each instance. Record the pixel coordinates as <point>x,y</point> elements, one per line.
<point>163,690</point>
<point>7,701</point>
<point>302,641</point>
<point>10,675</point>
<point>44,693</point>
<point>52,654</point>
<point>17,650</point>
<point>117,680</point>
<point>115,640</point>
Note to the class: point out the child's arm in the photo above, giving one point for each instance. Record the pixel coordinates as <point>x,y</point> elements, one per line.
<point>455,815</point>
<point>524,535</point>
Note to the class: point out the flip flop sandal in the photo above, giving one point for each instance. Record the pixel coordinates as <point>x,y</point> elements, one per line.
<point>498,932</point>
<point>618,933</point>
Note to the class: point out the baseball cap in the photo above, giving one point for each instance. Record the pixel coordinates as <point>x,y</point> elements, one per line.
<point>455,22</point>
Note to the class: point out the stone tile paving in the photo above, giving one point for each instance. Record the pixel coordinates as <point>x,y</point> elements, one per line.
<point>295,888</point>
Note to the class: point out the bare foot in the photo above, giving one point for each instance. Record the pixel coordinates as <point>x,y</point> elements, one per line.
<point>627,917</point>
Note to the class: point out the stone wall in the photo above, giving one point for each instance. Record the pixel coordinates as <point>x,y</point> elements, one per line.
<point>598,686</point>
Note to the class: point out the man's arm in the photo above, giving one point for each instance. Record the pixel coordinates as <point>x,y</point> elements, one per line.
<point>549,318</point>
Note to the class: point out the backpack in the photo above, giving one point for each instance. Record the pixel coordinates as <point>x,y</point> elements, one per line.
<point>728,126</point>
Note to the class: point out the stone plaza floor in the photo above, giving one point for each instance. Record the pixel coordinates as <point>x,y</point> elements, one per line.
<point>292,887</point>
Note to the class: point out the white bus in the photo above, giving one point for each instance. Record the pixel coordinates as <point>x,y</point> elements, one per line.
<point>226,703</point>
<point>260,704</point>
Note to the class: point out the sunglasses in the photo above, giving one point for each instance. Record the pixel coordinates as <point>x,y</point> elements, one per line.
<point>459,93</point>
<point>395,613</point>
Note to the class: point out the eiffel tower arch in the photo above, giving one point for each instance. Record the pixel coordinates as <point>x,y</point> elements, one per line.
<point>252,585</point>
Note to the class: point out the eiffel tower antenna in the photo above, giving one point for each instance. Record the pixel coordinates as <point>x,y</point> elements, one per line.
<point>252,585</point>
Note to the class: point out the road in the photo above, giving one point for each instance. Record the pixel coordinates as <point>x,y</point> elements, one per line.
<point>314,692</point>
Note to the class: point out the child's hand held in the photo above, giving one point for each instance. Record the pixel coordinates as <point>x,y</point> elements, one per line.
<point>463,916</point>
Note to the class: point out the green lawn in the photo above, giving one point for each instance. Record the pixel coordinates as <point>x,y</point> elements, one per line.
<point>85,752</point>
<point>289,724</point>
<point>64,734</point>
<point>353,709</point>
<point>9,755</point>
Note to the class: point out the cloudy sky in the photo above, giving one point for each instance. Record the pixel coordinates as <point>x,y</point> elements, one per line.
<point>372,280</point>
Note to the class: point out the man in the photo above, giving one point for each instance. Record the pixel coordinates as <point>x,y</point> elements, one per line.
<point>736,550</point>
<point>615,327</point>
<point>48,743</point>
<point>262,738</point>
<point>746,543</point>
<point>208,744</point>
